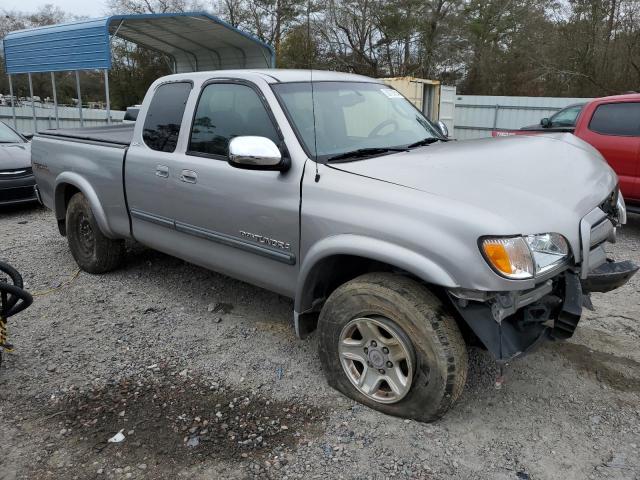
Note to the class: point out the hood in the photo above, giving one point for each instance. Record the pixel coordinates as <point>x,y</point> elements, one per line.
<point>525,180</point>
<point>15,155</point>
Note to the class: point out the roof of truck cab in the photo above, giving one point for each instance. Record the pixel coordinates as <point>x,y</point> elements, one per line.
<point>275,75</point>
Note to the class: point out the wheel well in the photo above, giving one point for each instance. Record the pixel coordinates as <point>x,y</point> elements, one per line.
<point>326,276</point>
<point>63,196</point>
<point>331,272</point>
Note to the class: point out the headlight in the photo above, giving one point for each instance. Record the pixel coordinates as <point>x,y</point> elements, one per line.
<point>549,250</point>
<point>524,257</point>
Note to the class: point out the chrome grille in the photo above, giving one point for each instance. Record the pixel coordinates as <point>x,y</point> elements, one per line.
<point>596,229</point>
<point>602,232</point>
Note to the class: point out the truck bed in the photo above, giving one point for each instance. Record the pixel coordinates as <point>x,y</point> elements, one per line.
<point>91,159</point>
<point>118,134</point>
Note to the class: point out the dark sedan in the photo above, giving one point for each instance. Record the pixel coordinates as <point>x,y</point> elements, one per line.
<point>17,183</point>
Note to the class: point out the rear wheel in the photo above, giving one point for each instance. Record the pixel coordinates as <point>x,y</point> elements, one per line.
<point>91,249</point>
<point>388,342</point>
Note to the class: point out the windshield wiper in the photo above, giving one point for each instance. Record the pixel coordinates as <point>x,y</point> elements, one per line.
<point>424,141</point>
<point>364,152</point>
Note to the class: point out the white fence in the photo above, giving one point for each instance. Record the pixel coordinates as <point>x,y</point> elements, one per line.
<point>477,115</point>
<point>69,117</point>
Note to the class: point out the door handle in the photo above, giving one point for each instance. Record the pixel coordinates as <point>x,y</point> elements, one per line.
<point>189,176</point>
<point>162,171</point>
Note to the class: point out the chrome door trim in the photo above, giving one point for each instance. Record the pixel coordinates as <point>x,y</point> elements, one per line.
<point>221,238</point>
<point>150,217</point>
<point>232,241</point>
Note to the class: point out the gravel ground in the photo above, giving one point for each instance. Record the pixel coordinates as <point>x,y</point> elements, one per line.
<point>205,378</point>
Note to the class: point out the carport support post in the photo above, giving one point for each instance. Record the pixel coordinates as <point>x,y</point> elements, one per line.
<point>13,104</point>
<point>79,98</point>
<point>33,105</point>
<point>106,94</point>
<point>55,99</point>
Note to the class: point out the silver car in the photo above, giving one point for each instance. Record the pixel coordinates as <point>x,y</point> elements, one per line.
<point>17,183</point>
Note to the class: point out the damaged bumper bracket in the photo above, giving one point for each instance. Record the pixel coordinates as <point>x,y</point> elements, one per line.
<point>511,324</point>
<point>521,332</point>
<point>609,276</point>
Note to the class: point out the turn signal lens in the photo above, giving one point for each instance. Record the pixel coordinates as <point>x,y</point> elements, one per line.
<point>511,257</point>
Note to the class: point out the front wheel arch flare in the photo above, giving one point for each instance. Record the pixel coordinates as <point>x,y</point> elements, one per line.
<point>321,254</point>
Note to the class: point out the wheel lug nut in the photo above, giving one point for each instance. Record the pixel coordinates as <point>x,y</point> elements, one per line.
<point>373,343</point>
<point>389,364</point>
<point>381,371</point>
<point>385,350</point>
<point>366,350</point>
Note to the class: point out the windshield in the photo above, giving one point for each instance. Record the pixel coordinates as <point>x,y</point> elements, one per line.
<point>566,117</point>
<point>131,114</point>
<point>7,135</point>
<point>351,116</point>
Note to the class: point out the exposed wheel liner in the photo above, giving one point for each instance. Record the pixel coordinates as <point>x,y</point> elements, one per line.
<point>441,356</point>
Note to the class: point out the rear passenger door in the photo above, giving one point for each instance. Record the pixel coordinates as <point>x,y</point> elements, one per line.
<point>614,129</point>
<point>149,166</point>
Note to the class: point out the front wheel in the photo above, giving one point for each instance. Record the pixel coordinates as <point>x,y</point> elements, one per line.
<point>388,342</point>
<point>92,251</point>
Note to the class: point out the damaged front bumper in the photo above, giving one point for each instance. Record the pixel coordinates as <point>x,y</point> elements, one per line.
<point>510,324</point>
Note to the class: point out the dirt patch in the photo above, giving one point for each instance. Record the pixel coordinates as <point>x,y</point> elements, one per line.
<point>170,423</point>
<point>604,367</point>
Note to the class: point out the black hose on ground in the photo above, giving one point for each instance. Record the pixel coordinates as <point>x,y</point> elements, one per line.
<point>13,299</point>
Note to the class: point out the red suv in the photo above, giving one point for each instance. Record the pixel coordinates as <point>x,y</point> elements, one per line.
<point>612,126</point>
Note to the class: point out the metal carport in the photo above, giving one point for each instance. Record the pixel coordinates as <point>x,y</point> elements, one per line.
<point>195,41</point>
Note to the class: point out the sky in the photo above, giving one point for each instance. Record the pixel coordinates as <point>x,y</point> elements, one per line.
<point>87,8</point>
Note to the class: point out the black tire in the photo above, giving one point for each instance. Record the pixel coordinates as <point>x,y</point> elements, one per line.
<point>436,344</point>
<point>92,251</point>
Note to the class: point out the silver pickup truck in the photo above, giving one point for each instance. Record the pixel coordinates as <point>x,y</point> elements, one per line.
<point>399,246</point>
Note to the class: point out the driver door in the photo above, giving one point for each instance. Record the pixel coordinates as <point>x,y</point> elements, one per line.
<point>244,223</point>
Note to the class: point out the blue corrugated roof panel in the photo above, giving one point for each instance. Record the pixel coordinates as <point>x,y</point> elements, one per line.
<point>79,45</point>
<point>194,40</point>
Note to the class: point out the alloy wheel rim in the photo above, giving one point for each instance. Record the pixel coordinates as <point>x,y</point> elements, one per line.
<point>376,358</point>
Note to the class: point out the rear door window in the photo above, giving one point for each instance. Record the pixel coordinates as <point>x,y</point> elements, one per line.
<point>164,116</point>
<point>621,119</point>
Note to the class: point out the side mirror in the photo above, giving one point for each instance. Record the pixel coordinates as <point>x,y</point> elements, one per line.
<point>256,153</point>
<point>545,123</point>
<point>28,136</point>
<point>444,130</point>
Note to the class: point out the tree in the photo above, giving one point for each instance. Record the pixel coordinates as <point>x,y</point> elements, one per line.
<point>506,47</point>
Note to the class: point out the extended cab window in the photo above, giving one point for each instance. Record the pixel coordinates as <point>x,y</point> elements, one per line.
<point>162,123</point>
<point>227,110</point>
<point>621,119</point>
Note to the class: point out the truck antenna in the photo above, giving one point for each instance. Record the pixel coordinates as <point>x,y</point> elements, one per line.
<point>313,102</point>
